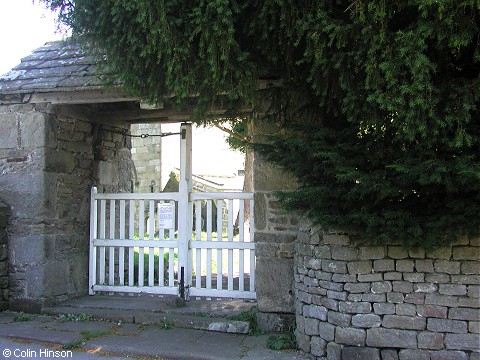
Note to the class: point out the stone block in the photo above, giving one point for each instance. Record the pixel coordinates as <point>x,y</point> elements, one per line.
<point>474,291</point>
<point>415,298</point>
<point>318,346</point>
<point>395,297</point>
<point>406,309</point>
<point>440,253</point>
<point>443,300</point>
<point>437,278</point>
<point>470,267</point>
<point>466,253</point>
<point>344,253</point>
<point>452,289</point>
<point>330,285</point>
<point>8,131</point>
<point>311,326</point>
<point>404,322</point>
<point>374,297</point>
<point>474,327</point>
<point>315,311</point>
<point>336,239</point>
<point>383,308</point>
<point>405,265</point>
<point>446,266</point>
<point>448,355</point>
<point>330,304</point>
<point>323,252</point>
<point>430,340</point>
<point>425,288</point>
<point>334,266</point>
<point>350,336</point>
<point>326,331</point>
<point>344,278</point>
<point>424,265</point>
<point>466,279</point>
<point>397,276</point>
<point>372,252</point>
<point>359,267</point>
<point>409,354</point>
<point>447,326</point>
<point>366,320</point>
<point>357,287</point>
<point>369,277</point>
<point>464,314</point>
<point>397,252</point>
<point>402,286</point>
<point>334,351</point>
<point>336,295</point>
<point>355,307</point>
<point>434,311</point>
<point>360,353</point>
<point>389,355</point>
<point>467,342</point>
<point>303,342</point>
<point>414,277</point>
<point>275,294</point>
<point>383,265</point>
<point>314,264</point>
<point>417,253</point>
<point>381,287</point>
<point>391,338</point>
<point>338,318</point>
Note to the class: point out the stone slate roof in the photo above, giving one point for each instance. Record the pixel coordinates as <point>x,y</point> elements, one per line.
<point>55,67</point>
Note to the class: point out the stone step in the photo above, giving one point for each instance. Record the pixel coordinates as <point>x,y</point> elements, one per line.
<point>139,312</point>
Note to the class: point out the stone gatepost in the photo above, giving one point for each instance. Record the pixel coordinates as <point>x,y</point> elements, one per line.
<point>3,257</point>
<point>275,232</point>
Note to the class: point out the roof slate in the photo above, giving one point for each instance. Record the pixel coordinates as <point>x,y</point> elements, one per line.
<point>55,67</point>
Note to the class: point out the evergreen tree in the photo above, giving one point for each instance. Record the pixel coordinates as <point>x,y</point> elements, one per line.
<point>379,98</point>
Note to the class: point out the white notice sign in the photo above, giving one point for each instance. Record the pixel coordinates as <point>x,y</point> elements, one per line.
<point>166,216</point>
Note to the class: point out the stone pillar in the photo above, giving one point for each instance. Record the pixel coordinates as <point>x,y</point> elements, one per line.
<point>275,232</point>
<point>147,155</point>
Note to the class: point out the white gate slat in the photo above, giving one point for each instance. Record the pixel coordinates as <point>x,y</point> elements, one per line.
<point>131,236</point>
<point>161,250</point>
<point>219,250</point>
<point>121,249</point>
<point>209,239</point>
<point>198,237</point>
<point>141,236</point>
<point>151,236</point>
<point>252,252</point>
<point>111,252</point>
<point>93,234</point>
<point>103,210</point>
<point>241,221</point>
<point>230,238</point>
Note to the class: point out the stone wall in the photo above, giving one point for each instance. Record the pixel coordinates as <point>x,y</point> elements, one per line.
<point>49,159</point>
<point>3,258</point>
<point>386,302</point>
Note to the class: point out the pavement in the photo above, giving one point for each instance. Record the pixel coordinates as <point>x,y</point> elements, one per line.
<point>83,335</point>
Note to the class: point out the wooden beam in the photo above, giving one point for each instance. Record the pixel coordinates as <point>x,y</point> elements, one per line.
<point>81,97</point>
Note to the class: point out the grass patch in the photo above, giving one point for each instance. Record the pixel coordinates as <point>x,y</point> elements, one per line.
<point>166,325</point>
<point>70,317</point>
<point>285,341</point>
<point>251,317</point>
<point>86,336</point>
<point>23,317</point>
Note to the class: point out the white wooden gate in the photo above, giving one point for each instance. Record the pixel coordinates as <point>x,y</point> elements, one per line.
<point>185,243</point>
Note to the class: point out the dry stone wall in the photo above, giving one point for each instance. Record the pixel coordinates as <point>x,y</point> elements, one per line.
<point>386,302</point>
<point>3,257</point>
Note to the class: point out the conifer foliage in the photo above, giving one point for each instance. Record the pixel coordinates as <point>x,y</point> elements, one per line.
<point>379,99</point>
